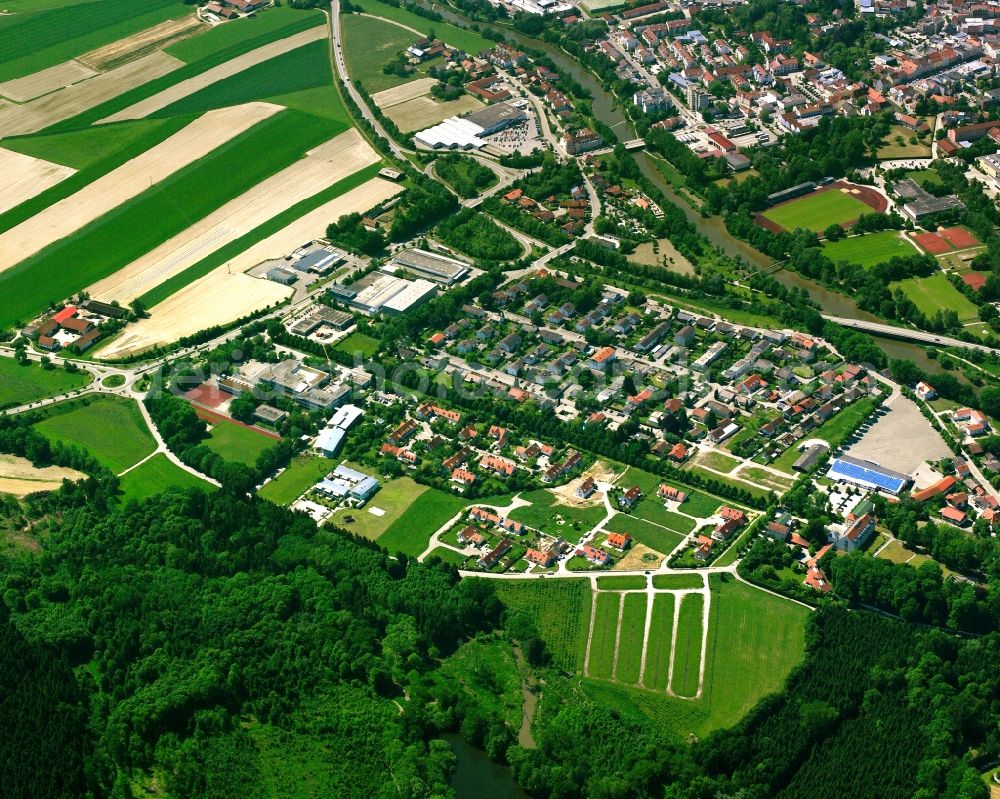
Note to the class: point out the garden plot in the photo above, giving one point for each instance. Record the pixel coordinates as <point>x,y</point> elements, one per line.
<point>422,112</point>
<point>322,167</point>
<point>24,177</point>
<point>212,76</point>
<point>129,180</point>
<point>72,100</point>
<point>22,90</point>
<point>397,95</point>
<point>19,477</point>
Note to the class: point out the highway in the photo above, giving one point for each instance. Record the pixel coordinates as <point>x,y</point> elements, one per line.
<point>907,334</point>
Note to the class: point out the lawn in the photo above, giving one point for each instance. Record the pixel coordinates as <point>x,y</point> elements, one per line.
<point>411,532</point>
<point>891,149</point>
<point>561,608</point>
<point>630,642</point>
<point>698,503</point>
<point>237,443</point>
<point>164,210</point>
<point>925,177</point>
<point>467,40</point>
<point>763,477</point>
<point>88,422</point>
<point>305,471</point>
<point>394,497</point>
<point>658,647</point>
<point>817,211</point>
<point>20,385</point>
<point>677,582</point>
<point>623,582</point>
<point>717,461</point>
<point>156,475</point>
<point>306,67</point>
<point>602,643</point>
<point>644,532</point>
<point>934,293</point>
<point>544,514</point>
<point>730,481</point>
<point>48,37</point>
<point>687,657</point>
<point>869,249</point>
<point>358,344</point>
<point>370,44</point>
<point>449,556</point>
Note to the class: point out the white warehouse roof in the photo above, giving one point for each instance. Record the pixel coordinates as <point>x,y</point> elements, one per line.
<point>454,132</point>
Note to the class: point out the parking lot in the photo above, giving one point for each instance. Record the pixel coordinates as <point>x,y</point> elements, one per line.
<point>899,439</point>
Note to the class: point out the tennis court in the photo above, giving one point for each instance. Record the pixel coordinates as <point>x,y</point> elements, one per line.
<point>958,237</point>
<point>932,243</point>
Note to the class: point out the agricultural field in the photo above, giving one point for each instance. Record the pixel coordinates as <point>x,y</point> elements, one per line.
<point>424,515</point>
<point>304,471</point>
<point>629,662</point>
<point>600,664</point>
<point>652,535</point>
<point>237,443</point>
<point>657,672</point>
<point>370,44</point>
<point>20,385</point>
<point>817,211</point>
<point>898,145</point>
<point>19,477</point>
<point>156,475</point>
<point>934,293</point>
<point>625,582</point>
<point>467,40</point>
<point>687,655</point>
<point>561,608</point>
<point>85,423</point>
<point>869,249</point>
<point>422,112</point>
<point>678,582</point>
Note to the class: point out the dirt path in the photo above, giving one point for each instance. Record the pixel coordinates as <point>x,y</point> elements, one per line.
<point>129,180</point>
<point>212,76</point>
<point>143,43</point>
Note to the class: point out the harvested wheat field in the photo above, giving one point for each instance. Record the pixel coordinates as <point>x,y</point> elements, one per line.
<point>422,112</point>
<point>129,180</point>
<point>16,119</point>
<point>142,43</point>
<point>220,297</point>
<point>211,76</point>
<point>321,168</point>
<point>21,90</point>
<point>387,98</point>
<point>22,177</point>
<point>19,477</point>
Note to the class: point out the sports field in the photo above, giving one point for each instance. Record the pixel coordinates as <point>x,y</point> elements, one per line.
<point>156,475</point>
<point>934,293</point>
<point>237,443</point>
<point>817,211</point>
<point>86,423</point>
<point>20,385</point>
<point>869,249</point>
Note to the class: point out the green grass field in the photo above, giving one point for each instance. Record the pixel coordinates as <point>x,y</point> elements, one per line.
<point>394,497</point>
<point>687,657</point>
<point>544,514</point>
<point>370,44</point>
<point>630,643</point>
<point>621,582</point>
<point>278,22</point>
<point>868,250</point>
<point>817,211</point>
<point>735,482</point>
<point>304,471</point>
<point>561,608</point>
<point>717,461</point>
<point>698,503</point>
<point>156,475</point>
<point>934,293</point>
<point>677,582</point>
<point>411,532</point>
<point>236,443</point>
<point>644,532</point>
<point>48,36</point>
<point>87,422</point>
<point>602,644</point>
<point>658,648</point>
<point>307,67</point>
<point>358,344</point>
<point>157,214</point>
<point>467,40</point>
<point>925,177</point>
<point>891,148</point>
<point>20,385</point>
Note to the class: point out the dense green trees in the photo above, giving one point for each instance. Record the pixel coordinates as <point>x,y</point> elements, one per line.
<point>479,236</point>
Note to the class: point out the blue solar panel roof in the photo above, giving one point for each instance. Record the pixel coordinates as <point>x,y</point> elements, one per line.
<point>870,475</point>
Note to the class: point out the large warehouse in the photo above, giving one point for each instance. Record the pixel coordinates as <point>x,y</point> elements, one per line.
<point>469,132</point>
<point>867,475</point>
<point>431,265</point>
<point>380,293</point>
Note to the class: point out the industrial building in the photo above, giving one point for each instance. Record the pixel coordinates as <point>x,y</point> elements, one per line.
<point>281,275</point>
<point>469,132</point>
<point>380,293</point>
<point>867,475</point>
<point>319,262</point>
<point>431,265</point>
<point>344,482</point>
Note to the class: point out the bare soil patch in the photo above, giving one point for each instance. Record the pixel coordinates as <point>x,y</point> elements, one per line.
<point>639,556</point>
<point>21,90</point>
<point>24,177</point>
<point>566,495</point>
<point>72,100</point>
<point>142,43</point>
<point>387,98</point>
<point>422,112</point>
<point>321,168</point>
<point>233,67</point>
<point>129,180</point>
<point>19,477</point>
<point>668,257</point>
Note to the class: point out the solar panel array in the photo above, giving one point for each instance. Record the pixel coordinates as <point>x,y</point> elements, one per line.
<point>869,476</point>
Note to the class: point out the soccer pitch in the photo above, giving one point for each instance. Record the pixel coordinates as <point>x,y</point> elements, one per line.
<point>868,250</point>
<point>817,211</point>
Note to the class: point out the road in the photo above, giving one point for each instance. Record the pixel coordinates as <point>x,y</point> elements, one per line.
<point>908,334</point>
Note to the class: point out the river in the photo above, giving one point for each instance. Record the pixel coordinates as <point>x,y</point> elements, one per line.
<point>477,777</point>
<point>712,228</point>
